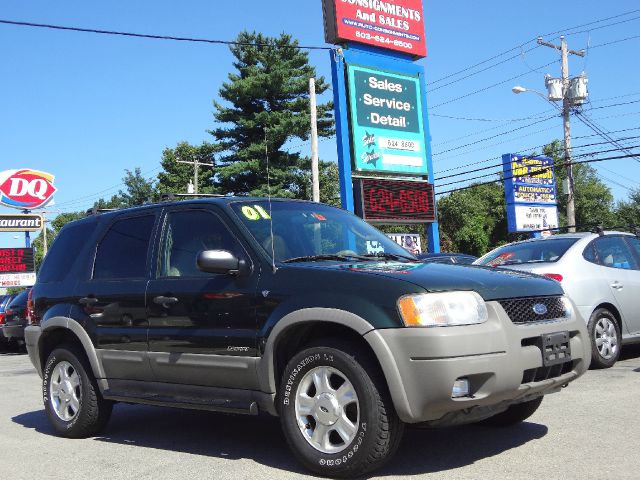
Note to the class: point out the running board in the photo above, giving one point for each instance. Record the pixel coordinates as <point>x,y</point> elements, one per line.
<point>183,396</point>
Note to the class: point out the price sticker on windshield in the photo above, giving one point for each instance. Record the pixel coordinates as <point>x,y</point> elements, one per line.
<point>255,212</point>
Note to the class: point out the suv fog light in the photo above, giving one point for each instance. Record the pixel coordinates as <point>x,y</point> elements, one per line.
<point>460,388</point>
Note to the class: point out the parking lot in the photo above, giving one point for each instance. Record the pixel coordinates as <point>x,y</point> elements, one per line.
<point>590,430</point>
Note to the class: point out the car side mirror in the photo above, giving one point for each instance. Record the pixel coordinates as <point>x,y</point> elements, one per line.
<point>221,262</point>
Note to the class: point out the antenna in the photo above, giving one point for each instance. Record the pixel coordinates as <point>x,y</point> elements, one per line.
<point>273,247</point>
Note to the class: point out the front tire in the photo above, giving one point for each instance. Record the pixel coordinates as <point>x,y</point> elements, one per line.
<point>604,333</point>
<point>72,400</point>
<point>514,414</point>
<point>336,412</point>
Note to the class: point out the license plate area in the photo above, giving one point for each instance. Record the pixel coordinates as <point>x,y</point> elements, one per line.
<point>556,348</point>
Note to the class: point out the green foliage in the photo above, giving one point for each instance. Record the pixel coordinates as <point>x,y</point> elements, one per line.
<point>266,106</point>
<point>175,176</point>
<point>628,211</point>
<point>593,199</point>
<point>329,183</point>
<point>473,220</point>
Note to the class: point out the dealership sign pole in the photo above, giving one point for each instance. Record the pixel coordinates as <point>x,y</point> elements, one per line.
<point>384,153</point>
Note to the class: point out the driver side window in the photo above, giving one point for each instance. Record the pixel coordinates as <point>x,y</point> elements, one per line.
<point>186,234</point>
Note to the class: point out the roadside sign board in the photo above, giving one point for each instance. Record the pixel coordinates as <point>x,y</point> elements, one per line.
<point>20,223</point>
<point>396,25</point>
<point>530,193</point>
<point>26,189</point>
<point>394,201</point>
<point>387,128</point>
<point>17,268</point>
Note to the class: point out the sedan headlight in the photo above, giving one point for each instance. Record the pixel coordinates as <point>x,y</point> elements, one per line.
<point>442,309</point>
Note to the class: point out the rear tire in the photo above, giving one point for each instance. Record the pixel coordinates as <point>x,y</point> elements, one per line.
<point>71,396</point>
<point>514,414</point>
<point>604,333</point>
<point>336,412</point>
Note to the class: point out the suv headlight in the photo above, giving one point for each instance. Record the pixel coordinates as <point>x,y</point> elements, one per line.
<point>442,309</point>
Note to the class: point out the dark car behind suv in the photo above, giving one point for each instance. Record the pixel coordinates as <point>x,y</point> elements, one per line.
<point>4,302</point>
<point>293,308</point>
<point>15,319</point>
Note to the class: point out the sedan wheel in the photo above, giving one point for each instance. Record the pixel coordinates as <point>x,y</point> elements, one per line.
<point>604,333</point>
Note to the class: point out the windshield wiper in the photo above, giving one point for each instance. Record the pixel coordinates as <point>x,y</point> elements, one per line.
<point>390,256</point>
<point>317,258</point>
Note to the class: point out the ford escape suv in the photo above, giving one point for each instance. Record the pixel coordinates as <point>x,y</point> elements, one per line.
<point>293,308</point>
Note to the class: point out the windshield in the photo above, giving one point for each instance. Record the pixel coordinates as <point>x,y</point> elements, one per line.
<point>547,250</point>
<point>302,231</point>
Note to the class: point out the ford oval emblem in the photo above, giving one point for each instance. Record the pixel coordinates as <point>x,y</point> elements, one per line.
<point>540,308</point>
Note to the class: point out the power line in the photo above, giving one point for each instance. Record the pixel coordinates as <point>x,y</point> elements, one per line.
<point>484,89</point>
<point>500,165</point>
<point>542,169</point>
<point>519,47</point>
<point>494,136</point>
<point>475,119</point>
<point>615,41</point>
<point>154,36</point>
<point>589,123</point>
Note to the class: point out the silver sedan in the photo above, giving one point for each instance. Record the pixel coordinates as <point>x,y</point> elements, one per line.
<point>600,272</point>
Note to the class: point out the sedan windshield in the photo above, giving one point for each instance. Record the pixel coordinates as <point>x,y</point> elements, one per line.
<point>538,251</point>
<point>314,232</point>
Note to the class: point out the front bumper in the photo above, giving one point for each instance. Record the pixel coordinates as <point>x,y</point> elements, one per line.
<point>500,359</point>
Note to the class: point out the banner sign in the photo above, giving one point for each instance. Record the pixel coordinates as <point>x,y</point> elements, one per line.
<point>20,223</point>
<point>530,193</point>
<point>26,189</point>
<point>387,131</point>
<point>394,201</point>
<point>396,25</point>
<point>17,280</point>
<point>409,241</point>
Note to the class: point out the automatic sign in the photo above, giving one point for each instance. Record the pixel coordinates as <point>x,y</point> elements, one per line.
<point>387,129</point>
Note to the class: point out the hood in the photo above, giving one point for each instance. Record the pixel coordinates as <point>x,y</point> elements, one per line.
<point>490,283</point>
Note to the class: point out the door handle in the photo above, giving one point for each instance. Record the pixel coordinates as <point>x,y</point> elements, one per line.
<point>88,301</point>
<point>162,300</point>
<point>617,285</point>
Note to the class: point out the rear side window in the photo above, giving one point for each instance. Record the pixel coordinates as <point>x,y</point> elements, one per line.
<point>547,250</point>
<point>613,252</point>
<point>64,251</point>
<point>635,243</point>
<point>122,253</point>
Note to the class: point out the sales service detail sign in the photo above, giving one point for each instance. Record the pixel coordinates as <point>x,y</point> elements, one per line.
<point>391,24</point>
<point>387,128</point>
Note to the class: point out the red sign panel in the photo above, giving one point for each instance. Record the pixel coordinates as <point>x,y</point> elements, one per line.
<point>16,260</point>
<point>392,24</point>
<point>26,189</point>
<point>395,201</point>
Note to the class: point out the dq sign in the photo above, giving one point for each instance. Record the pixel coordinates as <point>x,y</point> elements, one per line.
<point>26,189</point>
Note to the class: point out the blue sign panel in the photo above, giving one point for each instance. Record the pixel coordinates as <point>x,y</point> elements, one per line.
<point>530,193</point>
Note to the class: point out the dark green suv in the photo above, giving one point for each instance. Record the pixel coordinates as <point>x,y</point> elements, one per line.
<point>296,309</point>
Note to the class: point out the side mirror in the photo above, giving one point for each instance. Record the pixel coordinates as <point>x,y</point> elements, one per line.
<point>221,262</point>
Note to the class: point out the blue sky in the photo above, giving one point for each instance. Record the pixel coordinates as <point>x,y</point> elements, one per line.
<point>85,107</point>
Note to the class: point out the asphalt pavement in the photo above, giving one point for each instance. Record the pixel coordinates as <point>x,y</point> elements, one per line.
<point>590,430</point>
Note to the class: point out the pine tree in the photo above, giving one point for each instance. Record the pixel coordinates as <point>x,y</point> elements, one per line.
<point>266,104</point>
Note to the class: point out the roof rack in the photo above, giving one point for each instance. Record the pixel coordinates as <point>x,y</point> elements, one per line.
<point>170,197</point>
<point>95,211</point>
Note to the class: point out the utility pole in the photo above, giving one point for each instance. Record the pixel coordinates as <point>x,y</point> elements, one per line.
<point>566,117</point>
<point>44,234</point>
<point>315,171</point>
<point>196,164</point>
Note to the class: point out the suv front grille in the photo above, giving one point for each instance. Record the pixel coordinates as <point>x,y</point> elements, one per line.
<point>521,310</point>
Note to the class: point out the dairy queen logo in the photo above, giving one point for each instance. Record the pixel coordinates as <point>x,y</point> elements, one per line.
<point>26,189</point>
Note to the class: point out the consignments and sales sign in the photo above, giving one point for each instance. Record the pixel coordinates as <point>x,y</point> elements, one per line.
<point>391,24</point>
<point>387,130</point>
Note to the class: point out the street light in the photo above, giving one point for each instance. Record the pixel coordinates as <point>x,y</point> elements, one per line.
<point>569,191</point>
